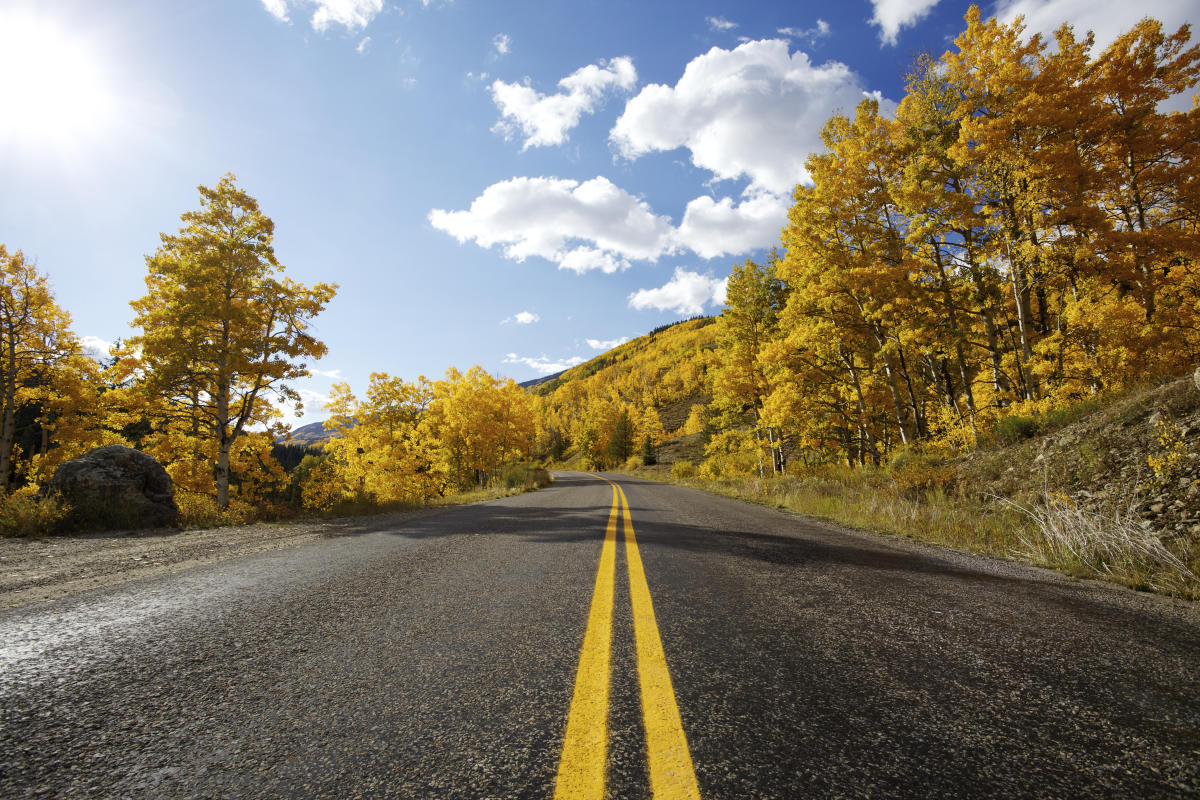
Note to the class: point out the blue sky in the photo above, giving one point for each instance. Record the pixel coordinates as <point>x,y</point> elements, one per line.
<point>513,184</point>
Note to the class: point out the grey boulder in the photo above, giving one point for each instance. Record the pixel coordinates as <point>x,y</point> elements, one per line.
<point>116,486</point>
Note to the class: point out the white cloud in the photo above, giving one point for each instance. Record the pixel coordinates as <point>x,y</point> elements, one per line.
<point>332,374</point>
<point>720,23</point>
<point>352,14</point>
<point>753,111</point>
<point>818,31</point>
<point>546,119</point>
<point>278,9</point>
<point>95,347</point>
<point>522,318</point>
<point>578,226</point>
<point>543,365</point>
<point>362,46</point>
<point>606,344</point>
<point>502,42</point>
<point>313,411</point>
<point>1106,20</point>
<point>892,15</point>
<point>717,228</point>
<point>686,293</point>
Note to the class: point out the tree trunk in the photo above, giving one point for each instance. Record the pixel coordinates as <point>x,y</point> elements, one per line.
<point>9,425</point>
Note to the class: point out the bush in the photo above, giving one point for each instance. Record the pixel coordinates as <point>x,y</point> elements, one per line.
<point>633,463</point>
<point>1013,429</point>
<point>683,469</point>
<point>525,476</point>
<point>23,513</point>
<point>199,510</point>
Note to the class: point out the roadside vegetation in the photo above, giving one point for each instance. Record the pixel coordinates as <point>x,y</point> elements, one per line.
<point>974,331</point>
<point>223,334</point>
<point>965,288</point>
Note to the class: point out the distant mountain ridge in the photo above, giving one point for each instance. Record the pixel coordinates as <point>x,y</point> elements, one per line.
<point>308,435</point>
<point>315,434</point>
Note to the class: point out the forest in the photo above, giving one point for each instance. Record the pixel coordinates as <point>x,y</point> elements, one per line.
<point>1019,237</point>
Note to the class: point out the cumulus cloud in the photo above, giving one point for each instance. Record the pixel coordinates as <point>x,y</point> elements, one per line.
<point>546,119</point>
<point>712,228</point>
<point>754,111</point>
<point>1106,20</point>
<point>522,318</point>
<point>892,15</point>
<point>720,23</point>
<point>686,293</point>
<point>578,226</point>
<point>95,347</point>
<point>543,365</point>
<point>277,9</point>
<point>606,344</point>
<point>311,408</point>
<point>502,42</point>
<point>352,14</point>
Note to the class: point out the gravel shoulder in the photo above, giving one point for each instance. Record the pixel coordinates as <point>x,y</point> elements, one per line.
<point>33,570</point>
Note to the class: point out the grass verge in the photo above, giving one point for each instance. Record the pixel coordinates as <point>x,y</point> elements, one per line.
<point>1051,532</point>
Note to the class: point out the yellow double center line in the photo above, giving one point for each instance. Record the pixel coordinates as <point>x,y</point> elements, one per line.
<point>581,770</point>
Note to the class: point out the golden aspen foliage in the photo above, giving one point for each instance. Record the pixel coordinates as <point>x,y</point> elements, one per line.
<point>479,424</point>
<point>382,451</point>
<point>223,330</point>
<point>42,370</point>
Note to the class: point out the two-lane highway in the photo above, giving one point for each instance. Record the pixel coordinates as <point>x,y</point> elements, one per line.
<point>565,642</point>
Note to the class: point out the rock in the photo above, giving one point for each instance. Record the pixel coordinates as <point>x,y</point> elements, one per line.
<point>1196,378</point>
<point>116,486</point>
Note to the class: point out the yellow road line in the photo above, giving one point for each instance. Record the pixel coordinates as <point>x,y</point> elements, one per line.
<point>585,748</point>
<point>672,776</point>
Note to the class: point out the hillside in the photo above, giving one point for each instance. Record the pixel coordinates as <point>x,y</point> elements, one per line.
<point>1136,457</point>
<point>660,382</point>
<point>308,435</point>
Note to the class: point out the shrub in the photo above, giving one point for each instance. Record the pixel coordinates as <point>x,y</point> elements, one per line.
<point>1013,429</point>
<point>633,463</point>
<point>199,510</point>
<point>525,476</point>
<point>683,469</point>
<point>23,513</point>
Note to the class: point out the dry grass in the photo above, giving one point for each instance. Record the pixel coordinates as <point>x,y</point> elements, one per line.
<point>875,501</point>
<point>1117,545</point>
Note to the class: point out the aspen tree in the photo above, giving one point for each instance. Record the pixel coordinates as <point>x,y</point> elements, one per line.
<point>222,328</point>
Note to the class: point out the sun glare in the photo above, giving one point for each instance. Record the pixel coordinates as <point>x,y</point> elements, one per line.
<point>52,88</point>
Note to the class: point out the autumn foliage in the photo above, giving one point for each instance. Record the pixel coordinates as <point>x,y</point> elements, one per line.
<point>1019,236</point>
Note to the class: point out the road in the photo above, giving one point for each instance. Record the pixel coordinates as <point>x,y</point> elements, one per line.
<point>503,650</point>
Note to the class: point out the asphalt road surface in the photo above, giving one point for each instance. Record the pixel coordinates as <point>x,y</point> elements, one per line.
<point>449,657</point>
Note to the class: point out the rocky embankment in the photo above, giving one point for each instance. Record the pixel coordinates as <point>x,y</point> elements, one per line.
<point>1139,455</point>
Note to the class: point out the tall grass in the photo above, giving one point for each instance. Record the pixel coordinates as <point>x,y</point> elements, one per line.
<point>1115,545</point>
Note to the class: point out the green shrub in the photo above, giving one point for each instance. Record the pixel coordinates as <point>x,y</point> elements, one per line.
<point>525,476</point>
<point>1013,429</point>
